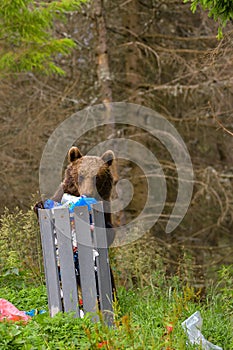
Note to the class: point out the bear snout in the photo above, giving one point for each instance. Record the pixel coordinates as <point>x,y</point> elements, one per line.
<point>87,188</point>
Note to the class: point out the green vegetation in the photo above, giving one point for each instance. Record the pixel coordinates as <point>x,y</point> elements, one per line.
<point>145,319</point>
<point>20,243</point>
<point>147,316</point>
<point>27,31</point>
<point>220,10</point>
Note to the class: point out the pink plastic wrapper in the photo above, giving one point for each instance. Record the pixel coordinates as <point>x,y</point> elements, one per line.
<point>8,312</point>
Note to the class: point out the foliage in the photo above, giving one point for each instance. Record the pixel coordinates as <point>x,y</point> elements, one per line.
<point>20,243</point>
<point>221,10</point>
<point>180,71</point>
<point>148,318</point>
<point>27,33</point>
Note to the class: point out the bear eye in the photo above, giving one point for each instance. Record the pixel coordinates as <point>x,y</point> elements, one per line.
<point>80,178</point>
<point>97,178</point>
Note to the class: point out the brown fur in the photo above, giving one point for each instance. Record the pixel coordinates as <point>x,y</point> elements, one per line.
<point>90,176</point>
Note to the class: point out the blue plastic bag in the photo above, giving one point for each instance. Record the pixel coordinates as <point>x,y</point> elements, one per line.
<point>83,201</point>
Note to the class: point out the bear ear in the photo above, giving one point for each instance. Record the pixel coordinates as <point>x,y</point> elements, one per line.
<point>74,154</point>
<point>108,157</point>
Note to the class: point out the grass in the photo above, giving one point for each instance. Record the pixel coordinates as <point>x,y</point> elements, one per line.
<point>148,318</point>
<point>148,314</point>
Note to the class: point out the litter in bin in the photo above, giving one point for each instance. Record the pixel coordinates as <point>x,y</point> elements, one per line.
<point>73,201</point>
<point>69,201</point>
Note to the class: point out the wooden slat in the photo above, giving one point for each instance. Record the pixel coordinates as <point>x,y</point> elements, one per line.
<point>50,262</point>
<point>86,262</point>
<point>103,268</point>
<point>67,269</point>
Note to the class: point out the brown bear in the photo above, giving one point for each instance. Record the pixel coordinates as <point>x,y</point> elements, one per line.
<point>90,176</point>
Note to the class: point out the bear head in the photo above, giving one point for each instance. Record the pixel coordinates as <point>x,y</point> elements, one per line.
<point>89,175</point>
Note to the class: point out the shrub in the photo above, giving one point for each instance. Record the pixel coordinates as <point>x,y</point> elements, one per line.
<point>20,247</point>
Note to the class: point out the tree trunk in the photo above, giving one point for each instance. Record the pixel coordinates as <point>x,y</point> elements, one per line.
<point>132,24</point>
<point>103,70</point>
<point>105,82</point>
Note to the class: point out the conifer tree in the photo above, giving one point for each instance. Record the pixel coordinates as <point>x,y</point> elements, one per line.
<point>220,10</point>
<point>27,39</point>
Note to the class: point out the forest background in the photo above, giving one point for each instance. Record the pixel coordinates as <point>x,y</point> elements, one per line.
<point>156,54</point>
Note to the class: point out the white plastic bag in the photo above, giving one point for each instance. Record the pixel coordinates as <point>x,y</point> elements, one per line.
<point>192,326</point>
